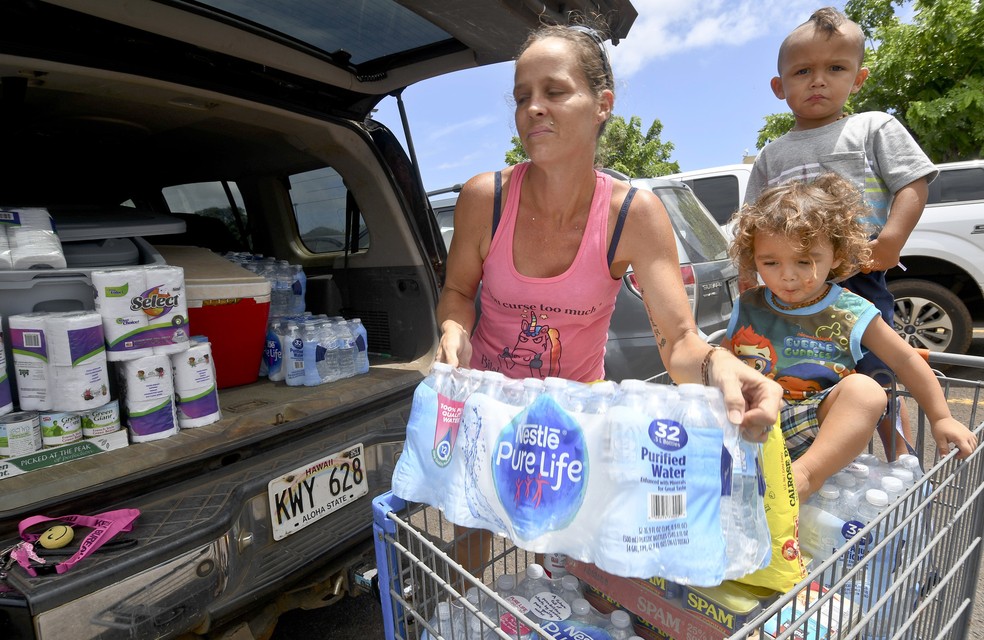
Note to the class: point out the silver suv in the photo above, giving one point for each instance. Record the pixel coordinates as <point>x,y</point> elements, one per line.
<point>939,294</point>
<point>233,125</point>
<point>708,275</point>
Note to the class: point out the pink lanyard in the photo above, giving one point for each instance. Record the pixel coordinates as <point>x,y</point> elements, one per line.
<point>104,526</point>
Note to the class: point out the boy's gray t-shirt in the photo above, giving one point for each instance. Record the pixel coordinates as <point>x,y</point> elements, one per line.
<point>873,150</point>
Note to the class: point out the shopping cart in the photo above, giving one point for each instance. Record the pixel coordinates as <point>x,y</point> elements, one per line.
<point>930,540</point>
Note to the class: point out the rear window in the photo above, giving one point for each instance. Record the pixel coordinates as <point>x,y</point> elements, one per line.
<point>701,238</point>
<point>445,217</point>
<point>957,185</point>
<point>345,31</point>
<point>718,193</point>
<point>328,217</point>
<point>214,214</point>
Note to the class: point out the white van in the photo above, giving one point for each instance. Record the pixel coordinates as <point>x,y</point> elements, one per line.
<point>940,292</point>
<point>721,189</point>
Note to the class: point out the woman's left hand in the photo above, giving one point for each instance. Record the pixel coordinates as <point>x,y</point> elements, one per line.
<point>752,400</point>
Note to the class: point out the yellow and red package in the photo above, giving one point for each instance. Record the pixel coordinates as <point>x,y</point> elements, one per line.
<point>786,569</point>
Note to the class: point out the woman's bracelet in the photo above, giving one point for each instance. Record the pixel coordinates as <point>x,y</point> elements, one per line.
<point>705,364</point>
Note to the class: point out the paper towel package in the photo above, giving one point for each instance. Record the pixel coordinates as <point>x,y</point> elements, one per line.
<point>144,310</point>
<point>82,235</point>
<point>28,240</point>
<point>228,305</point>
<point>60,360</point>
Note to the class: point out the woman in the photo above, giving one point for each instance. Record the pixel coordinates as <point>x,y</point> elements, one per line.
<point>550,264</point>
<point>544,273</point>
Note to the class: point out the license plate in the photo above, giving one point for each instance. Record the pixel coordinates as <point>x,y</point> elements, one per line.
<point>307,494</point>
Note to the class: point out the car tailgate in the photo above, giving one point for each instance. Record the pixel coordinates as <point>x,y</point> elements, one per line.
<point>203,498</point>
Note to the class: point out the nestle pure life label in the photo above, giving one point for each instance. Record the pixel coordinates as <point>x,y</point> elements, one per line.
<point>540,468</point>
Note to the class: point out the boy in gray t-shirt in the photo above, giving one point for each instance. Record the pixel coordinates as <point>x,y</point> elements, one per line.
<point>820,66</point>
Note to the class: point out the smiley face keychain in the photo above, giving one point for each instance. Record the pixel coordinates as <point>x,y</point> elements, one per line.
<point>57,537</point>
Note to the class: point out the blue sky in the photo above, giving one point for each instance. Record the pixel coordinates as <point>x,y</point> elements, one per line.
<point>702,67</point>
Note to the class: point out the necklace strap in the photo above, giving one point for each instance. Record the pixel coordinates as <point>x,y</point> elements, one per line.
<point>800,305</point>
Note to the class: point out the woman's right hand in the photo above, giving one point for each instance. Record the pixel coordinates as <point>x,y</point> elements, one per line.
<point>455,348</point>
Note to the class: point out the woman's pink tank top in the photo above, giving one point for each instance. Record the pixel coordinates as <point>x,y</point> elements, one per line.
<point>539,327</point>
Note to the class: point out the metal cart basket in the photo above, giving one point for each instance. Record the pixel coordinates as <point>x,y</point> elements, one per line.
<point>930,539</point>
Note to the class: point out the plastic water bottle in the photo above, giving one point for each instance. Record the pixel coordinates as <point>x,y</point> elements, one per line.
<point>879,575</point>
<point>748,486</point>
<point>440,379</point>
<point>821,524</point>
<point>532,388</point>
<point>312,357</point>
<point>850,490</point>
<point>274,350</point>
<point>693,411</point>
<point>620,626</point>
<point>491,385</point>
<point>600,396</point>
<point>347,353</point>
<point>298,288</point>
<point>329,342</point>
<point>441,622</point>
<point>570,589</point>
<point>910,462</point>
<point>876,469</point>
<point>555,565</point>
<point>536,581</point>
<point>294,376</point>
<point>471,624</point>
<point>626,413</point>
<point>362,346</point>
<point>905,475</point>
<point>893,488</point>
<point>473,380</point>
<point>861,473</point>
<point>505,586</point>
<point>281,293</point>
<point>581,611</point>
<point>559,390</point>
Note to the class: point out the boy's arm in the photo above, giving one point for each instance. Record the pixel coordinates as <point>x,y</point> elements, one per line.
<point>907,208</point>
<point>920,381</point>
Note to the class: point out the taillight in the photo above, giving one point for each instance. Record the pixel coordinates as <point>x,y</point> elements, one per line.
<point>689,284</point>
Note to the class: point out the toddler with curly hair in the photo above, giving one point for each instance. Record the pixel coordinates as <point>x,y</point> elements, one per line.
<point>807,333</point>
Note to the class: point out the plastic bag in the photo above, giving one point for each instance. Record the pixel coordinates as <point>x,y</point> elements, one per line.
<point>786,568</point>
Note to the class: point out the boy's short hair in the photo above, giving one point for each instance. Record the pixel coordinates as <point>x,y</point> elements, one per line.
<point>828,22</point>
<point>829,207</point>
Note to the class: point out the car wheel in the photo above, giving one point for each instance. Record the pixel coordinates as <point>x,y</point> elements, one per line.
<point>930,316</point>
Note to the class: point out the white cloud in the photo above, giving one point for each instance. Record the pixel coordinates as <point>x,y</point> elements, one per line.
<point>666,27</point>
<point>469,126</point>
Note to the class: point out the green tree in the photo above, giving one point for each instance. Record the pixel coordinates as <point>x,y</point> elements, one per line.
<point>623,148</point>
<point>775,125</point>
<point>928,73</point>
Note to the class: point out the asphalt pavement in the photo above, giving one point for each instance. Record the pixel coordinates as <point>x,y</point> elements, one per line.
<point>361,618</point>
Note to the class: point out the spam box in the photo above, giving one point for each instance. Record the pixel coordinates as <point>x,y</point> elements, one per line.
<point>10,467</point>
<point>824,624</point>
<point>728,606</point>
<point>673,610</point>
